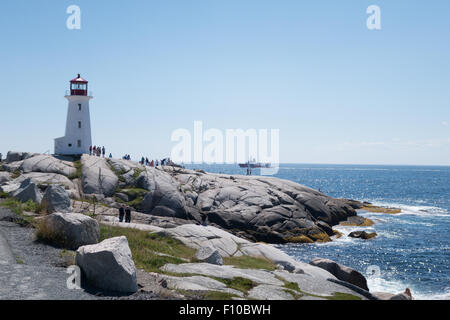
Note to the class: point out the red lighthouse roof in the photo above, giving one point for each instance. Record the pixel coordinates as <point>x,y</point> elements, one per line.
<point>78,79</point>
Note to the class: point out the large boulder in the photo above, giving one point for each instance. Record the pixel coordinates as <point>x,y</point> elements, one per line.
<point>48,164</point>
<point>69,230</point>
<point>28,191</point>
<point>108,265</point>
<point>263,209</point>
<point>5,177</point>
<point>163,198</point>
<point>98,178</point>
<point>209,255</point>
<point>342,272</point>
<point>14,156</point>
<point>56,199</point>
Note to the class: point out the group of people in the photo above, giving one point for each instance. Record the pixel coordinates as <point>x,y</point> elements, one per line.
<point>125,211</point>
<point>98,151</point>
<point>126,157</point>
<point>155,163</point>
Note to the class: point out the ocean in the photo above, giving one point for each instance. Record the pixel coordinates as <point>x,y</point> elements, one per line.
<point>412,248</point>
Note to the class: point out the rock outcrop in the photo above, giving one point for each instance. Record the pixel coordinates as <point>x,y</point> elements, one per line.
<point>28,191</point>
<point>56,199</point>
<point>69,230</point>
<point>209,255</point>
<point>108,265</point>
<point>258,208</point>
<point>342,272</point>
<point>98,178</point>
<point>15,156</point>
<point>47,164</point>
<point>5,177</point>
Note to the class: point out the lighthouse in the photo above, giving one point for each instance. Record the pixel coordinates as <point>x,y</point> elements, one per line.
<point>78,124</point>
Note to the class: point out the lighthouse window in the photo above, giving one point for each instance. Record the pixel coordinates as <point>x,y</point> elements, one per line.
<point>70,145</point>
<point>79,107</point>
<point>79,124</point>
<point>79,143</point>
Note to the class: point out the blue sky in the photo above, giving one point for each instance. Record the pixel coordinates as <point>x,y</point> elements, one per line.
<point>338,92</point>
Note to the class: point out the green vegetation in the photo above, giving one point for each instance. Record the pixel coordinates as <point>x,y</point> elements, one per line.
<point>241,284</point>
<point>146,246</point>
<point>45,235</point>
<point>16,174</point>
<point>78,174</point>
<point>135,196</point>
<point>137,173</point>
<point>19,260</point>
<point>19,208</point>
<point>68,257</point>
<point>247,262</point>
<point>343,296</point>
<point>118,173</point>
<point>3,195</point>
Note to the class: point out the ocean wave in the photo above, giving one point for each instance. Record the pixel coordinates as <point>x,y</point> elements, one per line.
<point>378,284</point>
<point>419,210</point>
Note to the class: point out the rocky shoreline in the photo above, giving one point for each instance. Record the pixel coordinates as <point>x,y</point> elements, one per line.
<point>256,208</point>
<point>220,217</point>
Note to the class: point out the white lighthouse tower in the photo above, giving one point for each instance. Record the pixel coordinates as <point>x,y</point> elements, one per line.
<point>78,124</point>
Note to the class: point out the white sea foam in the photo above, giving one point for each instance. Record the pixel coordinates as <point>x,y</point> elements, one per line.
<point>379,284</point>
<point>419,210</point>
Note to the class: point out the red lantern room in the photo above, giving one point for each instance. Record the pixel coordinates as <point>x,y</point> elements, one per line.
<point>78,86</point>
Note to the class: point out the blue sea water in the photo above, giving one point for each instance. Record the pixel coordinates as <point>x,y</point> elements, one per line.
<point>412,248</point>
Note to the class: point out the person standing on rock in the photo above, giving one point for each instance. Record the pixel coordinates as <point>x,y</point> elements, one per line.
<point>90,150</point>
<point>103,151</point>
<point>121,213</point>
<point>110,155</point>
<point>128,215</point>
<point>1,157</point>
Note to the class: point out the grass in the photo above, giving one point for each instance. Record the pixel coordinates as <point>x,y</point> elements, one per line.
<point>47,235</point>
<point>16,174</point>
<point>137,173</point>
<point>135,195</point>
<point>78,174</point>
<point>247,262</point>
<point>241,284</point>
<point>68,256</point>
<point>145,246</point>
<point>19,208</point>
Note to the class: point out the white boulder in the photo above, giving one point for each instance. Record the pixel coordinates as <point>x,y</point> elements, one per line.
<point>70,230</point>
<point>56,199</point>
<point>109,265</point>
<point>98,178</point>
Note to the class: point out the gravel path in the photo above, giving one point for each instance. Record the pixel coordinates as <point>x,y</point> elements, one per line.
<point>31,270</point>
